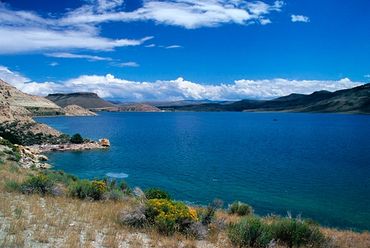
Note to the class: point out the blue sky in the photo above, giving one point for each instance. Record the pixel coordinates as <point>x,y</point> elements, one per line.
<point>184,49</point>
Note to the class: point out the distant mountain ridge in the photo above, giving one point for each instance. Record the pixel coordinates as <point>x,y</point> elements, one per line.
<point>93,102</point>
<point>354,100</point>
<point>16,105</point>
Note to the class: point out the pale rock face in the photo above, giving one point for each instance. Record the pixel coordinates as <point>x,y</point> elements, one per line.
<point>75,110</point>
<point>43,128</point>
<point>16,105</point>
<point>16,97</point>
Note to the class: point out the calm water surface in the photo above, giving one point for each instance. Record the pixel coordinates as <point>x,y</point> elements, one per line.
<point>316,165</point>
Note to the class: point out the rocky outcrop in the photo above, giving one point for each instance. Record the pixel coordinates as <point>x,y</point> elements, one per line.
<point>75,110</point>
<point>139,107</point>
<point>18,127</point>
<point>104,142</point>
<point>31,158</point>
<point>92,145</point>
<point>24,156</point>
<point>11,113</point>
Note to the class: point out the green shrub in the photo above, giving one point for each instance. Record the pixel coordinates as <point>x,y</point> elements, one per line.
<point>6,142</point>
<point>60,177</point>
<point>207,215</point>
<point>114,195</point>
<point>155,193</point>
<point>85,189</point>
<point>12,186</point>
<point>240,208</point>
<point>250,232</point>
<point>14,154</point>
<point>18,212</point>
<point>39,184</point>
<point>80,189</point>
<point>125,188</point>
<point>169,216</point>
<point>296,233</point>
<point>118,186</point>
<point>14,168</point>
<point>77,139</point>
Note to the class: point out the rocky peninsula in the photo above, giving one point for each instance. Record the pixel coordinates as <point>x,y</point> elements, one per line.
<point>17,110</point>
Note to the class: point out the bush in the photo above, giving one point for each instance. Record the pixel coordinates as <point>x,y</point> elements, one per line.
<point>155,193</point>
<point>117,188</point>
<point>169,216</point>
<point>85,189</point>
<point>60,177</point>
<point>295,233</point>
<point>250,232</point>
<point>6,142</point>
<point>240,208</point>
<point>207,215</point>
<point>12,186</point>
<point>114,195</point>
<point>134,218</point>
<point>39,184</point>
<point>14,154</point>
<point>77,139</point>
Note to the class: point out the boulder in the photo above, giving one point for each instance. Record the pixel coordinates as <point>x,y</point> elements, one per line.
<point>104,142</point>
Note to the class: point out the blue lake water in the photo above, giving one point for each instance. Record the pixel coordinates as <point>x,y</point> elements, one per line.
<point>316,165</point>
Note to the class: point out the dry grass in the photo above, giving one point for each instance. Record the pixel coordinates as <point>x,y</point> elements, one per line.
<point>351,239</point>
<point>67,222</point>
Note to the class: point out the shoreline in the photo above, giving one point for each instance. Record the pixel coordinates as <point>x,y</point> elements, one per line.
<point>34,156</point>
<point>68,147</point>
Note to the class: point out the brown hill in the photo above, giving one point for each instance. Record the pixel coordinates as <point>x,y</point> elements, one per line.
<point>84,99</point>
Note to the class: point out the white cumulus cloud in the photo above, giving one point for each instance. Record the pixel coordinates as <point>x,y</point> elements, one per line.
<point>108,86</point>
<point>300,18</point>
<point>185,13</point>
<point>24,31</point>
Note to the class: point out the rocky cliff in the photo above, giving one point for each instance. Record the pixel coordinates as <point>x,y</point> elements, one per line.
<point>22,102</point>
<point>16,123</point>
